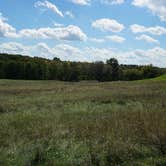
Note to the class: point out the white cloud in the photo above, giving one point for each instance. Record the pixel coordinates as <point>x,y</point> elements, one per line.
<point>112,2</point>
<point>115,38</point>
<point>81,2</point>
<point>6,30</point>
<point>13,48</point>
<point>59,32</point>
<point>56,24</point>
<point>157,30</point>
<point>42,50</point>
<point>87,2</point>
<point>135,28</point>
<point>41,33</point>
<point>157,7</point>
<point>147,39</point>
<point>96,40</point>
<point>155,56</point>
<point>68,52</point>
<point>48,5</point>
<point>62,51</point>
<point>108,25</point>
<point>70,32</point>
<point>69,13</point>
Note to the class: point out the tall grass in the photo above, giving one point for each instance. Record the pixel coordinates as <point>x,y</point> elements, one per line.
<point>86,123</point>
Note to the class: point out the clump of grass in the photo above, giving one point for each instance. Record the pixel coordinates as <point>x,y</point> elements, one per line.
<point>6,109</point>
<point>2,109</point>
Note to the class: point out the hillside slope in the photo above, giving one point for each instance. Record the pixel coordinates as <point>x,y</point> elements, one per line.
<point>160,78</point>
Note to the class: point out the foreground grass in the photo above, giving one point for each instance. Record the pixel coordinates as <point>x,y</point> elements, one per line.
<point>88,123</point>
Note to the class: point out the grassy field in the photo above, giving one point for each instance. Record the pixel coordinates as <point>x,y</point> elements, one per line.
<point>51,123</point>
<point>161,78</point>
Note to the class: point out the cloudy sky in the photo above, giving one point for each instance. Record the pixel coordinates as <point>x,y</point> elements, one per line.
<point>133,31</point>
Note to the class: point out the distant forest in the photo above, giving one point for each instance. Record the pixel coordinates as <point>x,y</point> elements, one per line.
<point>28,68</point>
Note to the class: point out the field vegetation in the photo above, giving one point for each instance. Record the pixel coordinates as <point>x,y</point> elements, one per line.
<point>51,123</point>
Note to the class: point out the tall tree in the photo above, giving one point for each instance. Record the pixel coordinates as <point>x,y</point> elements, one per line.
<point>115,68</point>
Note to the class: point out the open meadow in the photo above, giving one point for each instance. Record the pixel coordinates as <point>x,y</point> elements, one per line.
<point>51,123</point>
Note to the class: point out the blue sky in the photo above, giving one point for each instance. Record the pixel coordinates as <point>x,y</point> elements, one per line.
<point>133,31</point>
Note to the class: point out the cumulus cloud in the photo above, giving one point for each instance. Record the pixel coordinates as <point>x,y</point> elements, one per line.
<point>115,38</point>
<point>6,30</point>
<point>13,48</point>
<point>68,52</point>
<point>106,24</point>
<point>62,51</point>
<point>70,32</point>
<point>147,39</point>
<point>42,50</point>
<point>81,2</point>
<point>157,7</point>
<point>155,56</point>
<point>48,5</point>
<point>59,32</point>
<point>112,2</point>
<point>156,30</point>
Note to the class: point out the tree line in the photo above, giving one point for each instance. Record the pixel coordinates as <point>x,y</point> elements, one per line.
<point>35,68</point>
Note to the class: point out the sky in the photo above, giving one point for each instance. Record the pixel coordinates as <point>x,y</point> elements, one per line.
<point>133,31</point>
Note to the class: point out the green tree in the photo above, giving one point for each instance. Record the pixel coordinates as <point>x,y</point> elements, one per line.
<point>115,68</point>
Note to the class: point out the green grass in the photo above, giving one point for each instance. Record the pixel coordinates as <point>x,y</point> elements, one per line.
<point>51,123</point>
<point>161,78</point>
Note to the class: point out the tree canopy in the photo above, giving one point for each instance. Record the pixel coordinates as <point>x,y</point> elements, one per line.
<point>35,68</point>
